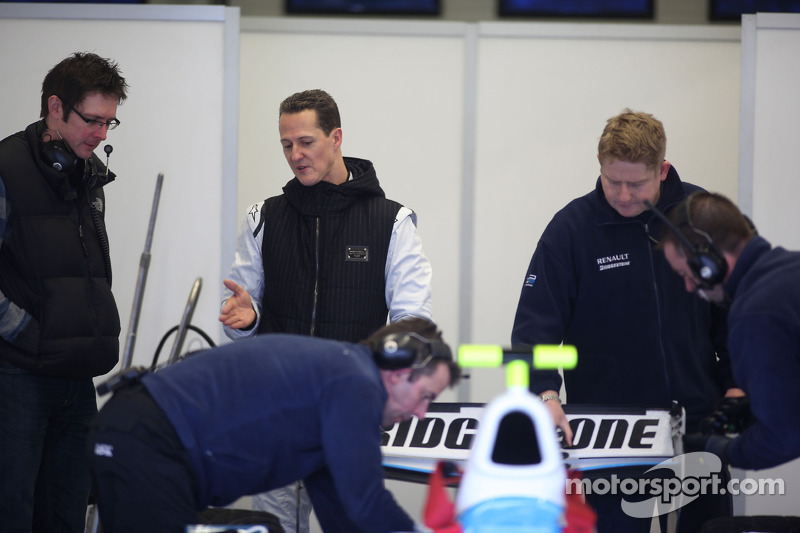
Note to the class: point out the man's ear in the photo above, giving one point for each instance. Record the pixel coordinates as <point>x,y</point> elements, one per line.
<point>338,137</point>
<point>664,170</point>
<point>731,260</point>
<point>55,107</point>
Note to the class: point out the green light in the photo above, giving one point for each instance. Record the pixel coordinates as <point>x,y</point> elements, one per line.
<point>517,374</point>
<point>553,356</point>
<point>480,355</point>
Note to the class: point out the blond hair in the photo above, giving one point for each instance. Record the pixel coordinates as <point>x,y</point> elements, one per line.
<point>633,137</point>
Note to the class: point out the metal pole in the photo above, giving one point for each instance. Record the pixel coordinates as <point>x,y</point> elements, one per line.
<point>144,264</point>
<point>187,318</point>
<point>93,518</point>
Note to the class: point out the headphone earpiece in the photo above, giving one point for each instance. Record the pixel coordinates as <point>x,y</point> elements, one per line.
<point>58,156</point>
<point>408,350</point>
<point>704,260</point>
<point>708,265</point>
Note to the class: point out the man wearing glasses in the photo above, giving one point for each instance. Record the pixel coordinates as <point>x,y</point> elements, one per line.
<point>59,325</point>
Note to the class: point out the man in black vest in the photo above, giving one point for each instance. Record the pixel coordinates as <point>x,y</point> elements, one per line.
<point>331,257</point>
<point>59,325</point>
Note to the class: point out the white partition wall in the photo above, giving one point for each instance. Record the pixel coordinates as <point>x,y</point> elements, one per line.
<point>769,184</point>
<point>180,118</point>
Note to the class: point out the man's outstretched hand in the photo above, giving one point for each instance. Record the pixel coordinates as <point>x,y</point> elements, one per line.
<point>237,312</point>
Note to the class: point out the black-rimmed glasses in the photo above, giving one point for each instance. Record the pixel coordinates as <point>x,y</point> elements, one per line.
<point>96,124</point>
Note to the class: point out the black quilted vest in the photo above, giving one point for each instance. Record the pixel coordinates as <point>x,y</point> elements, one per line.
<point>54,263</point>
<point>324,251</point>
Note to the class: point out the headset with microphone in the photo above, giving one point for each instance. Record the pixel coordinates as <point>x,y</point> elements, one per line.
<point>58,155</point>
<point>704,260</point>
<point>408,350</point>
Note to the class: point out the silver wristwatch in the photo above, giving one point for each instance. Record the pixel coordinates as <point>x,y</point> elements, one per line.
<point>550,396</point>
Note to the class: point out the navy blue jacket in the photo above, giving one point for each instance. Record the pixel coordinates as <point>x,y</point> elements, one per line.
<point>764,325</point>
<point>597,281</point>
<point>262,412</point>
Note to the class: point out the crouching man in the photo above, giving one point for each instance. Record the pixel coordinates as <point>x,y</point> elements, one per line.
<point>258,414</point>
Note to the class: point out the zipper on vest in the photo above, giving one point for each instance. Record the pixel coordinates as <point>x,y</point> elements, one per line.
<point>316,278</point>
<point>80,234</point>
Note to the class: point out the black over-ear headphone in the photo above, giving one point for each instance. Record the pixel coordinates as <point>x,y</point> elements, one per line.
<point>704,260</point>
<point>58,155</point>
<point>408,350</point>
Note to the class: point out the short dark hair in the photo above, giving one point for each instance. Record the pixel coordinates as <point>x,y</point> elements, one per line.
<point>424,328</point>
<point>79,75</point>
<point>711,214</point>
<point>317,100</point>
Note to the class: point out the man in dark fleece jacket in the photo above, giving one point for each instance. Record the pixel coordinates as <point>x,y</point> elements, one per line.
<point>762,286</point>
<point>258,414</point>
<point>597,281</point>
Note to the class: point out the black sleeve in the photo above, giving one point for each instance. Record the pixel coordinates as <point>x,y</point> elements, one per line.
<point>544,309</point>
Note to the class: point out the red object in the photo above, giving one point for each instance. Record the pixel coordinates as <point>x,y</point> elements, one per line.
<point>440,511</point>
<point>579,515</point>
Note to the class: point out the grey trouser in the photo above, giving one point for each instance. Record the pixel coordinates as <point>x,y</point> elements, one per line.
<point>290,504</point>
